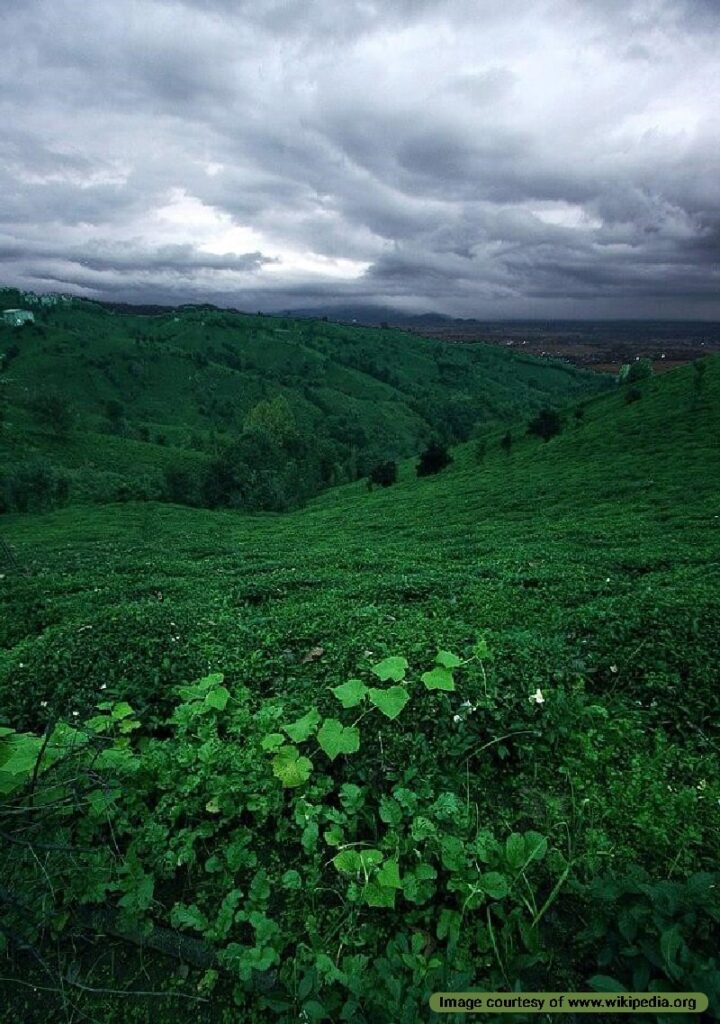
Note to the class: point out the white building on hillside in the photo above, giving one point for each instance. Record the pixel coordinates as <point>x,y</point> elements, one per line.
<point>18,317</point>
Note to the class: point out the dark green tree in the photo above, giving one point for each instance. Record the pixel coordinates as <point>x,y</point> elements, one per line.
<point>384,474</point>
<point>434,459</point>
<point>546,424</point>
<point>640,370</point>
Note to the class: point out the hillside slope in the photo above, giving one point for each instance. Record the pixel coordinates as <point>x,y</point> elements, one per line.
<point>627,485</point>
<point>150,396</point>
<point>578,582</point>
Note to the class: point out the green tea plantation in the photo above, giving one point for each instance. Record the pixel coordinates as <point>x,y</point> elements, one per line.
<point>315,760</point>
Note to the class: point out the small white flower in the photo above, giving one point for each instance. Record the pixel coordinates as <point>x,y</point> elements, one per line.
<point>537,697</point>
<point>75,714</point>
<point>607,579</point>
<point>43,703</point>
<point>614,669</point>
<point>457,718</point>
<point>104,686</point>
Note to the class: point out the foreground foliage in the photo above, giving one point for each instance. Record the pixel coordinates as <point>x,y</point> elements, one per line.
<point>339,885</point>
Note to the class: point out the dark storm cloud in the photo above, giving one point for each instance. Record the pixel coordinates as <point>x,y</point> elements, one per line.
<point>479,158</point>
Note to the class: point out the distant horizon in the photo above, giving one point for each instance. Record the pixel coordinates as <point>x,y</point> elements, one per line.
<point>326,310</point>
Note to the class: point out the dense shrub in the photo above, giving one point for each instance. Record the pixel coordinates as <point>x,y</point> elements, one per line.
<point>384,473</point>
<point>33,486</point>
<point>434,459</point>
<point>181,485</point>
<point>639,370</point>
<point>546,424</point>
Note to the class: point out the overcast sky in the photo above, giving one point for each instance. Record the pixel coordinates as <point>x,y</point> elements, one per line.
<point>504,158</point>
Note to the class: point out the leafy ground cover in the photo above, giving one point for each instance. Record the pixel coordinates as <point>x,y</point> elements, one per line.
<point>460,732</point>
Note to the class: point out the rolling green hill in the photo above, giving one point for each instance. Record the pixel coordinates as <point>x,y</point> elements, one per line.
<point>538,811</point>
<point>104,406</point>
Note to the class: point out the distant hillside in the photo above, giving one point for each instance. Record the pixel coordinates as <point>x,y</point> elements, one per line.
<point>603,345</point>
<point>206,406</point>
<point>372,315</point>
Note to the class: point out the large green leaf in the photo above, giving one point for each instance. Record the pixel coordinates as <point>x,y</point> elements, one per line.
<point>188,917</point>
<point>351,693</point>
<point>292,769</point>
<point>453,852</point>
<point>671,942</point>
<point>379,895</point>
<point>439,679</point>
<point>391,668</point>
<point>535,846</point>
<point>603,983</point>
<point>447,660</point>
<point>336,738</point>
<point>302,728</point>
<point>347,861</point>
<point>515,850</point>
<point>352,861</point>
<point>390,701</point>
<point>121,710</point>
<point>390,810</point>
<point>272,741</point>
<point>217,698</point>
<point>389,875</point>
<point>494,884</point>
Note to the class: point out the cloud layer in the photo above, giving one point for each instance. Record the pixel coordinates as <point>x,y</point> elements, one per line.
<point>529,158</point>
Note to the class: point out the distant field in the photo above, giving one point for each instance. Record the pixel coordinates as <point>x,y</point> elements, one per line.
<point>602,346</point>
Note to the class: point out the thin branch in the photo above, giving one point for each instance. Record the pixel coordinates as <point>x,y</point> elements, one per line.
<point>134,992</point>
<point>499,739</point>
<point>105,991</point>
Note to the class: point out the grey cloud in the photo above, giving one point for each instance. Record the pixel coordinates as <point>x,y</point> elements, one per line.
<point>178,259</point>
<point>488,159</point>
